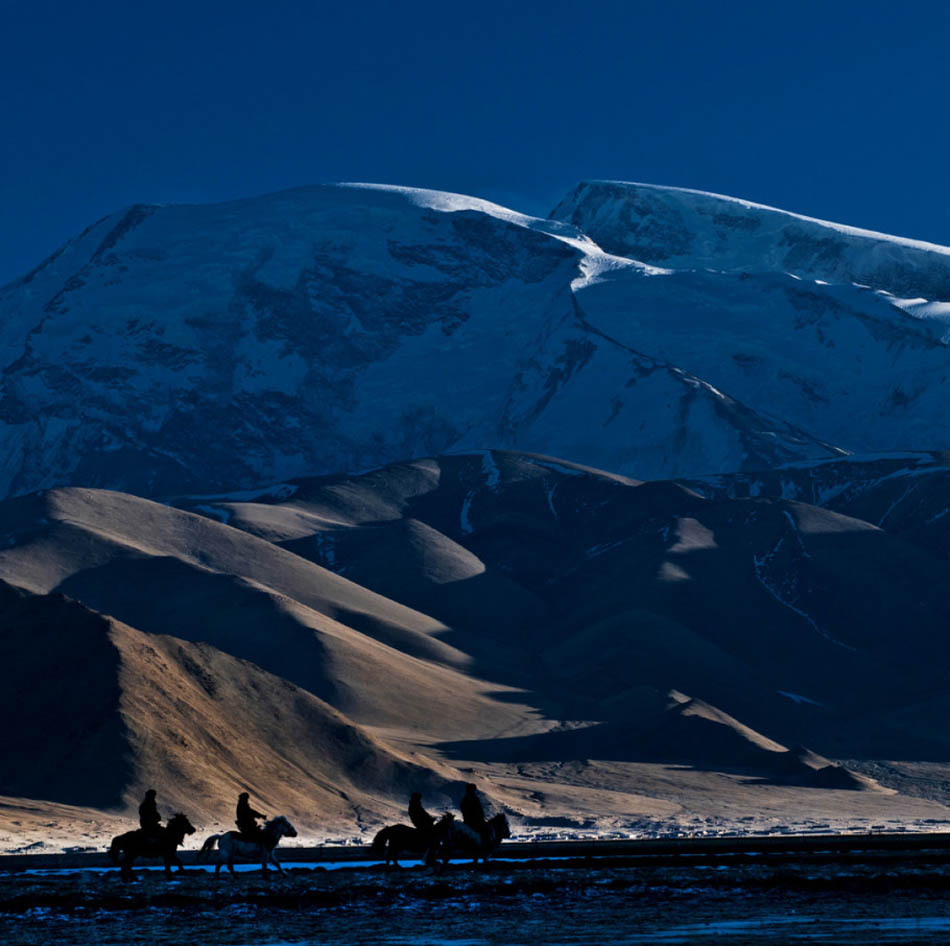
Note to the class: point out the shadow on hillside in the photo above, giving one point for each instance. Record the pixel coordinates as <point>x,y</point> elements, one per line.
<point>853,618</point>
<point>163,595</point>
<point>64,739</point>
<point>703,751</point>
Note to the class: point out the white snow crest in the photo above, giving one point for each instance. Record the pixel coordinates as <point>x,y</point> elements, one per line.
<point>765,208</point>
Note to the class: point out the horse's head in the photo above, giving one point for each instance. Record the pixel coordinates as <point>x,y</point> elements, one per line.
<point>500,826</point>
<point>179,822</point>
<point>281,827</point>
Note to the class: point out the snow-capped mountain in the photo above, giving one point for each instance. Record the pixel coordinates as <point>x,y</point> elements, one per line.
<point>687,229</point>
<point>341,327</point>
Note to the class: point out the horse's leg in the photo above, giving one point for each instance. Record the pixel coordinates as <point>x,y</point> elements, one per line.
<point>392,856</point>
<point>273,857</point>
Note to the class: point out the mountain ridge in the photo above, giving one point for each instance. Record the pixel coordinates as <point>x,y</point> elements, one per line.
<point>310,329</point>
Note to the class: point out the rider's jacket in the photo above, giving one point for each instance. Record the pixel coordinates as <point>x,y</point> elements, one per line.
<point>419,816</point>
<point>472,812</point>
<point>246,819</point>
<point>149,818</point>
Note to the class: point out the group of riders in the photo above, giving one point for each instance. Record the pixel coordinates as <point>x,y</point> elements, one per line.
<point>473,814</point>
<point>246,818</point>
<point>437,839</point>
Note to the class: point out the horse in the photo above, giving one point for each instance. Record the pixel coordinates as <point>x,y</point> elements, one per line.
<point>162,843</point>
<point>459,839</point>
<point>401,838</point>
<point>231,844</point>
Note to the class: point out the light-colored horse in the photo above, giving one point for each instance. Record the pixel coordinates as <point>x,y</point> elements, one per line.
<point>231,845</point>
<point>459,839</point>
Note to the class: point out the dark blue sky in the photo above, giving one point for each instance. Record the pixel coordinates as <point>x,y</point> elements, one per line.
<point>836,109</point>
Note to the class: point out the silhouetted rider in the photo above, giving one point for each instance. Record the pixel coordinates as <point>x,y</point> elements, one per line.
<point>420,818</point>
<point>473,814</point>
<point>246,819</point>
<point>149,818</point>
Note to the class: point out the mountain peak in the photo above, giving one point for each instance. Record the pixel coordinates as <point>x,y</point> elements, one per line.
<point>680,227</point>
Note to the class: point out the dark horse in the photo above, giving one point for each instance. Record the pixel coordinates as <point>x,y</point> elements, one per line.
<point>400,839</point>
<point>459,840</point>
<point>163,843</point>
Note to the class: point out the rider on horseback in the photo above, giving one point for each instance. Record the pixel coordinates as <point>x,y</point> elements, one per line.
<point>149,818</point>
<point>246,820</point>
<point>473,814</point>
<point>419,817</point>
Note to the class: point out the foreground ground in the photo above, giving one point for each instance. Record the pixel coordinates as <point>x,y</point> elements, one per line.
<point>795,900</point>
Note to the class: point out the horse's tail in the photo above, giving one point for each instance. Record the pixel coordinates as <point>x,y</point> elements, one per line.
<point>379,842</point>
<point>208,847</point>
<point>115,848</point>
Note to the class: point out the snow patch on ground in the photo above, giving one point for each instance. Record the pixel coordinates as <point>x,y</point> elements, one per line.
<point>326,546</point>
<point>278,492</point>
<point>798,698</point>
<point>556,467</point>
<point>923,309</point>
<point>490,470</point>
<point>465,519</point>
<point>213,512</point>
<point>762,565</point>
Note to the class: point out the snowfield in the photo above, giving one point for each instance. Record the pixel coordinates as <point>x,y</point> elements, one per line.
<point>651,331</point>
